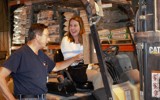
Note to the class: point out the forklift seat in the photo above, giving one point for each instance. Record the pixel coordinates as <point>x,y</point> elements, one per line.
<point>81,87</point>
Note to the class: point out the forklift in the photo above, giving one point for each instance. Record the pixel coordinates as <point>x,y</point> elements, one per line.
<point>121,82</point>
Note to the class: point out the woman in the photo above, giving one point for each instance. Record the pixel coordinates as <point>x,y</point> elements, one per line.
<point>72,44</point>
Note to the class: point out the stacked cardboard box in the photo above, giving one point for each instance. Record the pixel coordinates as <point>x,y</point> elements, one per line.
<point>47,17</point>
<point>22,21</point>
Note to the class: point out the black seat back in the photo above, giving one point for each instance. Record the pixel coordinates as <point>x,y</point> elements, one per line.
<point>58,56</point>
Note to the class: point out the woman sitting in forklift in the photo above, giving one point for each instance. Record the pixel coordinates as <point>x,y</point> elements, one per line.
<point>71,45</point>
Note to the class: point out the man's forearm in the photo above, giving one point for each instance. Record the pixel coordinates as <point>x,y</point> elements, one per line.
<point>5,90</point>
<point>64,64</point>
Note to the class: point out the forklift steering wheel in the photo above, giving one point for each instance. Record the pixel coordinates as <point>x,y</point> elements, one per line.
<point>111,51</point>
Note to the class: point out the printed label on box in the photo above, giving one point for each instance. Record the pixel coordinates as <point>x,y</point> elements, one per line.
<point>156,84</point>
<point>128,95</point>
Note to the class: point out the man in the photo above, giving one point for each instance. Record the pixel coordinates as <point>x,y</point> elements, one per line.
<point>29,67</point>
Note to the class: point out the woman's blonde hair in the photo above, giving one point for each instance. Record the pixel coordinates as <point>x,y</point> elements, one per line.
<point>82,30</point>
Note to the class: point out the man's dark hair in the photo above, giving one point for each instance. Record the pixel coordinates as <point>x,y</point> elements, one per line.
<point>35,28</point>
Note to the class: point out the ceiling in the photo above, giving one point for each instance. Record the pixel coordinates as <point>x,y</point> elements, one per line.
<point>72,3</point>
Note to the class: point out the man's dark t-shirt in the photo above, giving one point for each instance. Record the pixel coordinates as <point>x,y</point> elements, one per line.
<point>29,71</point>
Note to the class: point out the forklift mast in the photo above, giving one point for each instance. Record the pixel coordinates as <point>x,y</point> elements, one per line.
<point>91,13</point>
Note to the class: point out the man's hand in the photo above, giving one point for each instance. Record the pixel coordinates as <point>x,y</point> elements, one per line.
<point>79,57</point>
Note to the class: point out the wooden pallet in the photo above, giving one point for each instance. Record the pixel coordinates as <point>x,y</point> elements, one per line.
<point>114,41</point>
